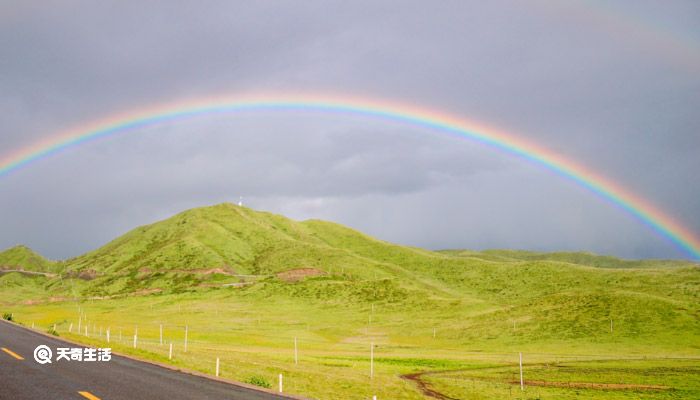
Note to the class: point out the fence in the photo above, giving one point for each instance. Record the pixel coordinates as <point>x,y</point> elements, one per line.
<point>364,365</point>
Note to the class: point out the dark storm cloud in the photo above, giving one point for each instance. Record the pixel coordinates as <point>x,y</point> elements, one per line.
<point>580,78</point>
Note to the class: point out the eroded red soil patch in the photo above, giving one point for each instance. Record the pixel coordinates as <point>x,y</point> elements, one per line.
<point>424,387</point>
<point>294,275</point>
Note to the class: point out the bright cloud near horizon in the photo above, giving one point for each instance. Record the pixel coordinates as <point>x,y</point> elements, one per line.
<point>613,86</point>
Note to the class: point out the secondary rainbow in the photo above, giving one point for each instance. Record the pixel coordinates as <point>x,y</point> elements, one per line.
<point>409,114</point>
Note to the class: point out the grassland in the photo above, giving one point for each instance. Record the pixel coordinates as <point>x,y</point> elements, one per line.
<point>24,258</point>
<point>456,318</point>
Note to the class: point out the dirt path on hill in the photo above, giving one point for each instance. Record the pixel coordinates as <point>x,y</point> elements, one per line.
<point>424,386</point>
<point>21,271</point>
<point>429,391</point>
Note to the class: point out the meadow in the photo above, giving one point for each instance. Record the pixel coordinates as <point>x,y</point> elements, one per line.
<point>246,285</point>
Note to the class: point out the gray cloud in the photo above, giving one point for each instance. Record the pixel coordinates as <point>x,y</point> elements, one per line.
<point>613,86</point>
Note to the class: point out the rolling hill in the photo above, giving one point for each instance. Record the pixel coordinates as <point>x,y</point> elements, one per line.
<point>231,246</point>
<point>23,258</point>
<point>241,272</point>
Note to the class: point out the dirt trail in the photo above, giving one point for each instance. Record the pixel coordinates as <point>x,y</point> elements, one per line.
<point>21,271</point>
<point>424,387</point>
<point>429,391</point>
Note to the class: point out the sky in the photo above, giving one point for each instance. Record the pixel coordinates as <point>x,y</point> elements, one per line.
<point>613,85</point>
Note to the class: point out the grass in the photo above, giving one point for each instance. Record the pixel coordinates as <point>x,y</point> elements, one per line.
<point>22,257</point>
<point>462,316</point>
<point>603,379</point>
<point>254,335</point>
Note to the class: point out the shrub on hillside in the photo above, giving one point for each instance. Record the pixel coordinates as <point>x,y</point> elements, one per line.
<point>7,316</point>
<point>258,380</point>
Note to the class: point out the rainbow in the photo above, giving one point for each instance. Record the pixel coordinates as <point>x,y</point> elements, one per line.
<point>665,42</point>
<point>639,208</point>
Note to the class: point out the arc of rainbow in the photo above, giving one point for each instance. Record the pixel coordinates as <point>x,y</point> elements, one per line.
<point>644,211</point>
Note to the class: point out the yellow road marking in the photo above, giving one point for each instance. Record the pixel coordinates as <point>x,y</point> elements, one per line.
<point>12,353</point>
<point>89,395</point>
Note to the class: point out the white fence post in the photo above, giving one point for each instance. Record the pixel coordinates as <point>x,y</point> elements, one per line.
<point>280,383</point>
<point>371,360</point>
<point>86,332</point>
<point>170,354</point>
<point>70,328</point>
<point>296,353</point>
<point>522,387</point>
<point>217,366</point>
<point>136,332</point>
<point>107,334</point>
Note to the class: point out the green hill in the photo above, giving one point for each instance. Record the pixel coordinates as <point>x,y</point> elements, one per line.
<point>24,258</point>
<point>223,243</point>
<point>230,245</point>
<point>258,279</point>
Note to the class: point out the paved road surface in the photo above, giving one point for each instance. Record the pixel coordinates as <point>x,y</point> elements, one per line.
<point>118,379</point>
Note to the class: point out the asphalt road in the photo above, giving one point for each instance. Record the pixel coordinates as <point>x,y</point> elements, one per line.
<point>121,378</point>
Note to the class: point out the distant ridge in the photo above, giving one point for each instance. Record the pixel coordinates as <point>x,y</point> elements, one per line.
<point>580,258</point>
<point>23,258</point>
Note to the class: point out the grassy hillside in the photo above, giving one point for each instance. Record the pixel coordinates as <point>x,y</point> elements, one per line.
<point>580,258</point>
<point>215,245</point>
<point>247,283</point>
<point>24,258</point>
